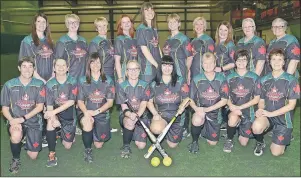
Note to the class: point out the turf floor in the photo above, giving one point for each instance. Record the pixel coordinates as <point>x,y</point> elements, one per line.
<point>211,161</point>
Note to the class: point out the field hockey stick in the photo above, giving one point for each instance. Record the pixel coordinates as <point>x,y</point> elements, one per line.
<point>149,133</point>
<point>165,130</point>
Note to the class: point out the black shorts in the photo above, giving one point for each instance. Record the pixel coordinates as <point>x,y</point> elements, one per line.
<point>211,129</point>
<point>175,132</point>
<point>245,127</point>
<point>68,128</point>
<point>281,134</point>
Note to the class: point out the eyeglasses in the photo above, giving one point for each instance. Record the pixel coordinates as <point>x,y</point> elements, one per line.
<point>133,69</point>
<point>277,27</point>
<point>248,27</point>
<point>241,60</point>
<point>73,23</point>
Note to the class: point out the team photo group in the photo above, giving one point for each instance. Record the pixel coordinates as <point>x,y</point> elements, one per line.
<point>162,91</point>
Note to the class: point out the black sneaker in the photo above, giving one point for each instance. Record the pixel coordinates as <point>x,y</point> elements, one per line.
<point>258,151</point>
<point>52,159</point>
<point>228,145</point>
<point>15,166</point>
<point>193,147</point>
<point>126,151</point>
<point>88,155</point>
<point>44,142</point>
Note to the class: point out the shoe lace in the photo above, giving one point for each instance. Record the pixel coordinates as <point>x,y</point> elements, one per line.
<point>52,156</point>
<point>15,163</point>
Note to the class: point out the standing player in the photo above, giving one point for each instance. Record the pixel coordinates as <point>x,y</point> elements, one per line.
<point>254,44</point>
<point>179,48</point>
<point>168,91</point>
<point>209,92</point>
<point>149,53</point>
<point>95,98</point>
<point>279,94</point>
<point>73,48</point>
<point>125,46</point>
<point>200,45</point>
<point>22,100</point>
<point>244,93</point>
<point>61,92</point>
<point>137,93</point>
<point>288,43</point>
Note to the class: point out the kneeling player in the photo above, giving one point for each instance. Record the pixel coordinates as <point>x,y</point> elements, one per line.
<point>61,92</point>
<point>168,91</point>
<point>244,94</point>
<point>22,100</point>
<point>137,93</point>
<point>209,91</point>
<point>95,98</point>
<point>279,94</point>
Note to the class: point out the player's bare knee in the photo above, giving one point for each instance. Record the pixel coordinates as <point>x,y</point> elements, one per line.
<point>233,120</point>
<point>67,145</point>
<point>171,144</point>
<point>98,145</point>
<point>32,155</point>
<point>257,127</point>
<point>140,145</point>
<point>243,142</point>
<point>277,152</point>
<point>16,136</point>
<point>197,120</point>
<point>212,143</point>
<point>128,124</point>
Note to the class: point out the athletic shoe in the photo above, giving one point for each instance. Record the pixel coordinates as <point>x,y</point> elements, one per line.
<point>228,145</point>
<point>78,131</point>
<point>23,141</point>
<point>186,134</point>
<point>223,126</point>
<point>114,130</point>
<point>15,166</point>
<point>126,151</point>
<point>121,131</point>
<point>193,147</point>
<point>52,160</point>
<point>44,142</point>
<point>258,151</point>
<point>88,155</point>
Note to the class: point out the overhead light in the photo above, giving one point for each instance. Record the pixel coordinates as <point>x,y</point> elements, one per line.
<point>254,3</point>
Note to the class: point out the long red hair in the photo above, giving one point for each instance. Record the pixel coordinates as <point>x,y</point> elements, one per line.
<point>120,30</point>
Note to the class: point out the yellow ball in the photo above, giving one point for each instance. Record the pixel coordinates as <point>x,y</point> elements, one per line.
<point>155,161</point>
<point>167,161</point>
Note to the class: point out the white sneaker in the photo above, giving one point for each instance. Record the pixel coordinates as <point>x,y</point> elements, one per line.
<point>114,130</point>
<point>78,131</point>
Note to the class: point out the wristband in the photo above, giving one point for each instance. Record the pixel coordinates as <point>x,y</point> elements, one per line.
<point>126,110</point>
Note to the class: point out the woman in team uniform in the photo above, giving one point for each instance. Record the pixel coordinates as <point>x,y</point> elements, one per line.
<point>95,98</point>
<point>167,92</point>
<point>125,46</point>
<point>254,44</point>
<point>288,43</point>
<point>39,45</point>
<point>244,93</point>
<point>137,93</point>
<point>103,46</point>
<point>200,45</point>
<point>149,53</point>
<point>61,92</point>
<point>209,92</point>
<point>225,48</point>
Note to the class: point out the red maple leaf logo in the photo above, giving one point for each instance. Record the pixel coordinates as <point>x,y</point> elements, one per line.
<point>225,89</point>
<point>211,48</point>
<point>280,138</point>
<point>75,91</point>
<point>43,92</point>
<point>36,144</point>
<point>185,88</point>
<point>214,134</point>
<point>232,54</point>
<point>103,136</point>
<point>189,47</point>
<point>296,50</point>
<point>248,131</point>
<point>297,89</point>
<point>68,135</point>
<point>112,89</point>
<point>175,137</point>
<point>147,92</point>
<point>143,135</point>
<point>262,50</point>
<point>258,85</point>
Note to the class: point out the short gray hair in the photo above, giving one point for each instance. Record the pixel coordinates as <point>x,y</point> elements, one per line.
<point>249,20</point>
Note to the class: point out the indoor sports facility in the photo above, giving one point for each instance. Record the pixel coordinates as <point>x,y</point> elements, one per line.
<point>16,23</point>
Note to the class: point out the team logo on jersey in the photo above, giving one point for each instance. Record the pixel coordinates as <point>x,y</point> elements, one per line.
<point>62,98</point>
<point>296,50</point>
<point>210,94</point>
<point>79,52</point>
<point>240,91</point>
<point>262,50</point>
<point>133,51</point>
<point>166,49</point>
<point>135,103</point>
<point>232,54</point>
<point>110,51</point>
<point>274,95</point>
<point>154,42</point>
<point>25,103</point>
<point>185,88</point>
<point>189,47</point>
<point>103,136</point>
<point>297,89</point>
<point>97,96</point>
<point>193,51</point>
<point>45,52</point>
<point>168,96</point>
<point>211,47</point>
